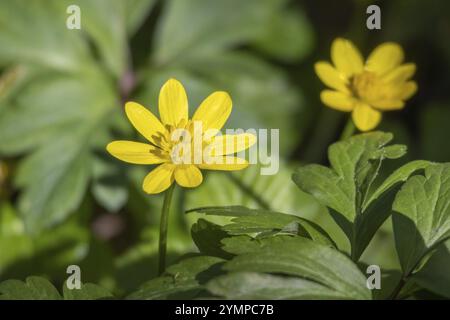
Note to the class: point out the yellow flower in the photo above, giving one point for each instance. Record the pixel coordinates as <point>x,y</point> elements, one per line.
<point>179,159</point>
<point>382,83</point>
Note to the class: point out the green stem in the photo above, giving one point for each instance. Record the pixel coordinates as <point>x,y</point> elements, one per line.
<point>353,244</point>
<point>406,277</point>
<point>163,229</point>
<point>398,289</point>
<point>349,129</point>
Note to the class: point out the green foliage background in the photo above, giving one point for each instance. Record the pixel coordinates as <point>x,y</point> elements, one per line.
<point>64,201</point>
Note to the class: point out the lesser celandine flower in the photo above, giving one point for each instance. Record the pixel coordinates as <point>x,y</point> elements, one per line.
<point>165,137</point>
<point>180,146</point>
<point>381,83</point>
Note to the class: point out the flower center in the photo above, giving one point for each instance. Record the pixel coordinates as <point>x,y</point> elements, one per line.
<point>185,142</point>
<point>365,85</point>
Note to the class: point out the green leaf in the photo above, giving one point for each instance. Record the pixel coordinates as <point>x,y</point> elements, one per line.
<point>40,36</point>
<point>208,237</point>
<point>88,291</point>
<point>434,275</point>
<point>136,12</point>
<point>306,259</point>
<point>287,36</point>
<point>378,207</point>
<point>389,280</point>
<point>255,286</point>
<point>108,23</point>
<point>398,176</point>
<point>346,188</point>
<point>351,163</point>
<point>422,215</point>
<point>55,176</point>
<point>237,245</point>
<point>34,288</point>
<point>201,17</point>
<point>248,221</point>
<point>38,288</point>
<point>35,114</point>
<point>184,280</point>
<point>104,21</point>
<point>62,183</point>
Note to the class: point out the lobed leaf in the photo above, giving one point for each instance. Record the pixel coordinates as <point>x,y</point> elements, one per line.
<point>306,259</point>
<point>346,187</point>
<point>34,288</point>
<point>422,215</point>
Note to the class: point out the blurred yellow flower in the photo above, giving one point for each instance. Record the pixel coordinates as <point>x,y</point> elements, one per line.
<point>175,163</point>
<point>382,83</point>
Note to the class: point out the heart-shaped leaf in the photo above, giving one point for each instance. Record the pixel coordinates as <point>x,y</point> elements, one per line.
<point>346,186</point>
<point>422,215</point>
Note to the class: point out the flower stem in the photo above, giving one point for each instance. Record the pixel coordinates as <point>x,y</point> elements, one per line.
<point>397,289</point>
<point>163,229</point>
<point>349,129</point>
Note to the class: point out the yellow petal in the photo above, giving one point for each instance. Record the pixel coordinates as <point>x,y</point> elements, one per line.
<point>346,57</point>
<point>159,179</point>
<point>385,58</point>
<point>385,105</point>
<point>331,77</point>
<point>229,144</point>
<point>337,100</point>
<point>407,90</point>
<point>136,152</point>
<point>365,117</point>
<point>214,110</point>
<point>225,163</point>
<point>173,103</point>
<point>145,122</point>
<point>188,176</point>
<point>401,73</point>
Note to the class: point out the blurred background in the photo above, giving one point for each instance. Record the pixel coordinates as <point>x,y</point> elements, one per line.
<point>64,200</point>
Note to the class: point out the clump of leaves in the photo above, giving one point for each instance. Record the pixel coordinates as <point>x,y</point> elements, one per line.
<point>264,254</point>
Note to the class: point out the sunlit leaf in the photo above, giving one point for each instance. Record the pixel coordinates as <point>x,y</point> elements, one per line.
<point>422,215</point>
<point>346,187</point>
<point>306,259</point>
<point>263,222</point>
<point>257,286</point>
